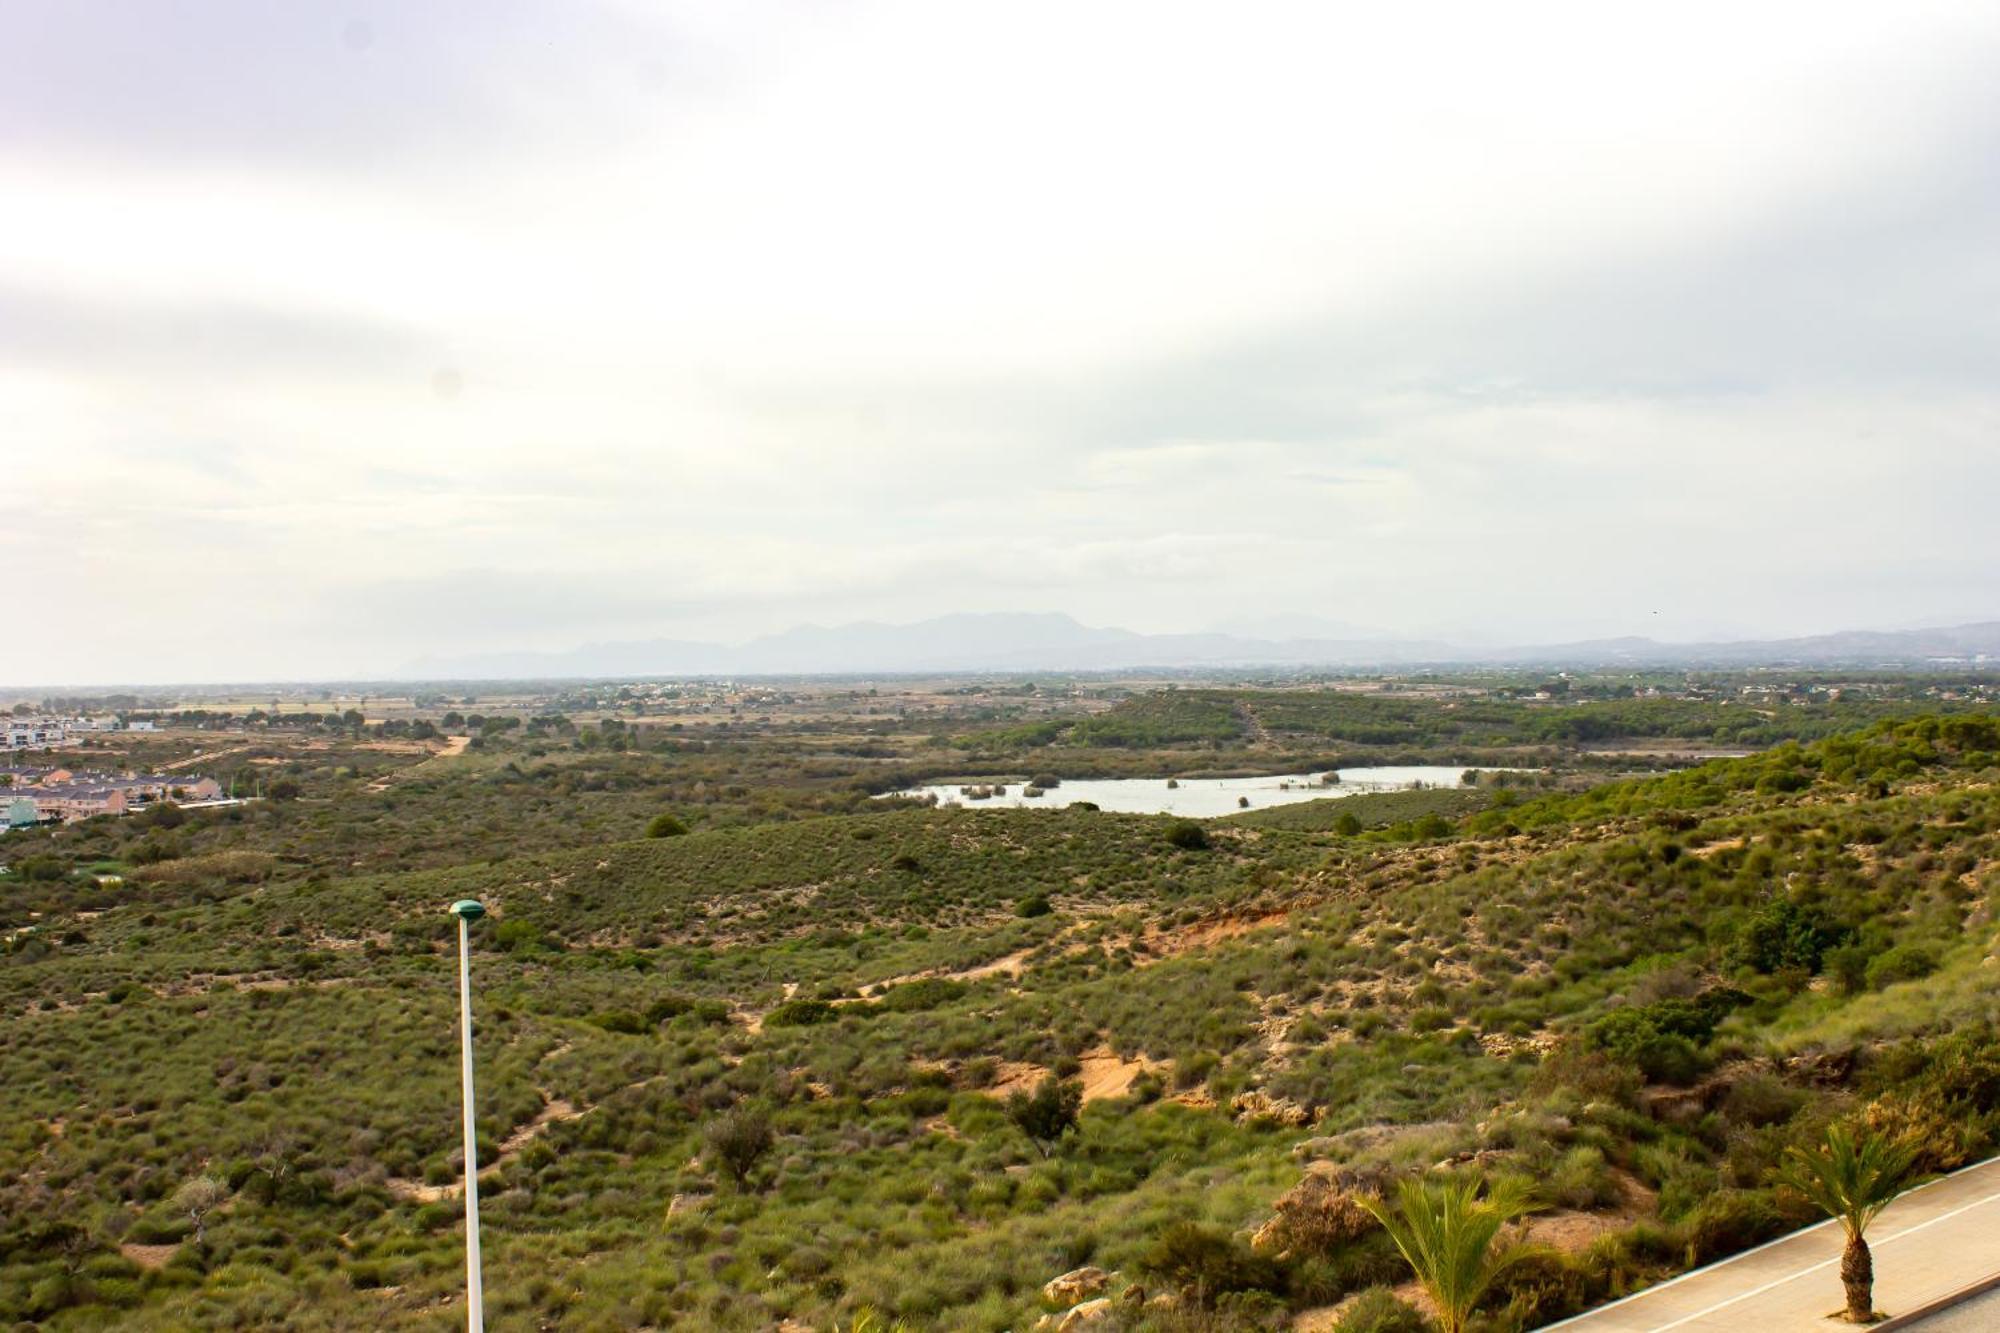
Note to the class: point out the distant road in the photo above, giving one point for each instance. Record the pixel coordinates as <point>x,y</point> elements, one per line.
<point>1937,1239</point>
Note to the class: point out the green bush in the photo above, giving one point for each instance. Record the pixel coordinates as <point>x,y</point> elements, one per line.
<point>1187,835</point>
<point>924,993</point>
<point>1732,1220</point>
<point>1204,1262</point>
<point>800,1014</point>
<point>1380,1310</point>
<point>1905,962</point>
<point>664,825</point>
<point>1787,934</point>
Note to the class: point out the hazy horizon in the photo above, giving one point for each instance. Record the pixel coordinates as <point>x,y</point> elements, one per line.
<point>339,336</point>
<point>851,637</point>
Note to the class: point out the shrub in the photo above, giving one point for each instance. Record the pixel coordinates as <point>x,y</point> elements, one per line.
<point>1732,1220</point>
<point>1047,1114</point>
<point>230,867</point>
<point>1035,904</point>
<point>1542,1286</point>
<point>1848,966</point>
<point>1785,934</point>
<point>664,825</point>
<point>1187,835</point>
<point>1662,1038</point>
<point>1380,1310</point>
<point>518,936</point>
<point>924,993</point>
<point>1205,1262</point>
<point>738,1139</point>
<point>1905,962</point>
<point>800,1014</point>
<point>1317,1217</point>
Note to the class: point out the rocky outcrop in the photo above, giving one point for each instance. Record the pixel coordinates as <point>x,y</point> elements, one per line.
<point>1259,1105</point>
<point>1077,1285</point>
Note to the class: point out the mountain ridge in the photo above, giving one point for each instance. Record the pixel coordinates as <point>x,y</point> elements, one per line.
<point>1052,641</point>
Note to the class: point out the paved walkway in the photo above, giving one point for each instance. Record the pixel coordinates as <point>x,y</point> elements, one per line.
<point>1937,1239</point>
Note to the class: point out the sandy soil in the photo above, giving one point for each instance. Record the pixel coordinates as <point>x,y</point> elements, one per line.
<point>149,1256</point>
<point>1103,1075</point>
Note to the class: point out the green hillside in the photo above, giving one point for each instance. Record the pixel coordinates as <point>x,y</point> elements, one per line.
<point>1635,996</point>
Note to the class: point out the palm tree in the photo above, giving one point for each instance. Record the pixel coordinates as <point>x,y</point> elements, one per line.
<point>1852,1176</point>
<point>1446,1231</point>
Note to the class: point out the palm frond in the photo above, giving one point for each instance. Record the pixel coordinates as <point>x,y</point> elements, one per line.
<point>1852,1175</point>
<point>1445,1231</point>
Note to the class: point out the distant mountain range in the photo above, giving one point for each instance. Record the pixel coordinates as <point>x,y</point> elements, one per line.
<point>1050,642</point>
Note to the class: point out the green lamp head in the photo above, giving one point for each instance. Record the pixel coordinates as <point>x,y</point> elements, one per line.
<point>468,909</point>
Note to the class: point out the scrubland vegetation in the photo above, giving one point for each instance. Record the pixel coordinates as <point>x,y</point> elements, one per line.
<point>816,1060</point>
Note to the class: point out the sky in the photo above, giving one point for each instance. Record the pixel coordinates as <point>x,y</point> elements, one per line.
<point>338,336</point>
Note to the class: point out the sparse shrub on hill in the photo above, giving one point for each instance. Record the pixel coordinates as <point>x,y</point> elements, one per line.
<point>326,1004</point>
<point>1187,835</point>
<point>738,1139</point>
<point>664,825</point>
<point>1047,1114</point>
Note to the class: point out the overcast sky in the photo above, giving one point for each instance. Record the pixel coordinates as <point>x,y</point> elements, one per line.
<point>334,336</point>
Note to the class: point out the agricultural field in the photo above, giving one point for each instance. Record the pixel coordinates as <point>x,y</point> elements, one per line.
<point>759,1050</point>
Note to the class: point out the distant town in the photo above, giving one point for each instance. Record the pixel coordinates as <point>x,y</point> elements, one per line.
<point>32,795</point>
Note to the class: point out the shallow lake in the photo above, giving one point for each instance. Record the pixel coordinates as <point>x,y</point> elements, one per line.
<point>1200,798</point>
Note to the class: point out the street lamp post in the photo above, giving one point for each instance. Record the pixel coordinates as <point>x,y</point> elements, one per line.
<point>468,910</point>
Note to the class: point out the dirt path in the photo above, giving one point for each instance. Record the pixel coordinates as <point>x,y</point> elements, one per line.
<point>454,746</point>
<point>554,1110</point>
<point>1009,965</point>
<point>202,758</point>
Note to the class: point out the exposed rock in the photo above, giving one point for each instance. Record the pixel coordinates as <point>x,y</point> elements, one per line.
<point>1089,1312</point>
<point>1077,1316</point>
<point>1079,1284</point>
<point>1259,1105</point>
<point>1826,1069</point>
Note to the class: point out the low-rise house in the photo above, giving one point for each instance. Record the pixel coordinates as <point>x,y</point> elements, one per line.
<point>32,733</point>
<point>59,793</point>
<point>75,800</point>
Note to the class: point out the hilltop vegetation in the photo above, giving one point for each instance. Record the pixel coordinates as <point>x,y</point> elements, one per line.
<point>762,1072</point>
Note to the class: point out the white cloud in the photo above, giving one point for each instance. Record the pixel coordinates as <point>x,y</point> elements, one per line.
<point>1504,320</point>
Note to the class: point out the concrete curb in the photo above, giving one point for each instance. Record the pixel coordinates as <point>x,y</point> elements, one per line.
<point>1909,1318</point>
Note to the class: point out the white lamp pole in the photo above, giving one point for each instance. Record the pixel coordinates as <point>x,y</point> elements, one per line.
<point>469,910</point>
